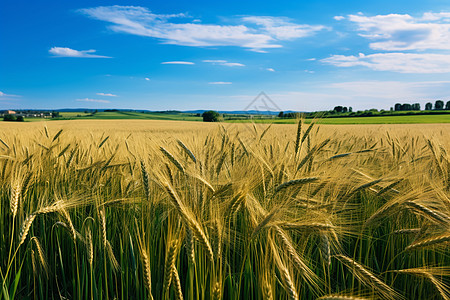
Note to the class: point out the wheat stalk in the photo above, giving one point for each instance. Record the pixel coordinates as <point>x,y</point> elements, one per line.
<point>295,182</point>
<point>41,254</point>
<point>145,180</point>
<point>89,247</point>
<point>190,245</point>
<point>187,151</point>
<point>26,228</point>
<point>201,237</point>
<point>366,277</point>
<point>431,214</point>
<point>285,275</point>
<point>173,160</point>
<point>306,272</point>
<point>177,283</point>
<point>325,248</point>
<point>407,231</point>
<point>15,195</point>
<point>170,260</point>
<point>69,222</point>
<point>147,273</point>
<point>433,241</point>
<point>103,224</point>
<point>216,291</point>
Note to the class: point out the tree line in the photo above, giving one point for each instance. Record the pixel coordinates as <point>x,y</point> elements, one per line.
<point>438,105</point>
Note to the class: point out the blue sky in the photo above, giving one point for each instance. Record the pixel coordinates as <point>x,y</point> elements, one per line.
<point>306,55</point>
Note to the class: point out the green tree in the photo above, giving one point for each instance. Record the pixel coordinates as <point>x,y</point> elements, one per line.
<point>20,119</point>
<point>447,105</point>
<point>9,118</point>
<point>210,116</point>
<point>405,107</point>
<point>429,106</point>
<point>338,109</point>
<point>439,104</point>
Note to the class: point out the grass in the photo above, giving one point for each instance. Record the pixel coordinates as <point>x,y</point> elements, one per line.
<point>142,209</point>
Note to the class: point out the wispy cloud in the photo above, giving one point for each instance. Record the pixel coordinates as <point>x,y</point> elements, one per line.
<point>398,32</point>
<point>93,100</point>
<point>223,63</point>
<point>220,82</point>
<point>147,79</point>
<point>339,18</point>
<point>250,32</point>
<point>396,62</point>
<point>3,95</point>
<point>106,94</point>
<point>67,52</point>
<point>270,69</point>
<point>283,28</point>
<point>177,63</point>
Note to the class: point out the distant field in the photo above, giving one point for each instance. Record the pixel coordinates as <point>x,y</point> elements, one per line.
<point>124,115</point>
<point>130,115</point>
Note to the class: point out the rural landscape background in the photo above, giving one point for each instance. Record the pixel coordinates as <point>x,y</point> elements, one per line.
<point>254,150</point>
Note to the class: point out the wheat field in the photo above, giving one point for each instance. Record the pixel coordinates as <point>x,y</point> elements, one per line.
<point>184,210</point>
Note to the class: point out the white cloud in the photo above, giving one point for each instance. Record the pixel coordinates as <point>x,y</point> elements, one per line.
<point>282,28</point>
<point>223,63</point>
<point>67,52</point>
<point>7,95</point>
<point>146,78</point>
<point>396,32</point>
<point>93,100</point>
<point>178,63</point>
<point>429,16</point>
<point>339,18</point>
<point>395,62</point>
<point>254,33</point>
<point>270,69</point>
<point>106,94</point>
<point>220,82</point>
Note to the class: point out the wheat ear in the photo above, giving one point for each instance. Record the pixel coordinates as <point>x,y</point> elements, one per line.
<point>15,195</point>
<point>173,160</point>
<point>170,260</point>
<point>147,273</point>
<point>177,283</point>
<point>433,241</point>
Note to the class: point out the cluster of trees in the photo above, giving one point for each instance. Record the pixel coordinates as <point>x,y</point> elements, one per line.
<point>342,109</point>
<point>13,118</point>
<point>406,106</point>
<point>438,105</point>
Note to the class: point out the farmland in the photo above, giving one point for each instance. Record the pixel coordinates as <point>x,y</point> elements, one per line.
<point>243,118</point>
<point>154,209</point>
